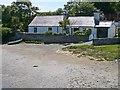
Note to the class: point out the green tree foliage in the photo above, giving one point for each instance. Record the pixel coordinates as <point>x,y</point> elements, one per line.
<point>76,33</point>
<point>5,33</point>
<point>46,13</point>
<point>80,8</point>
<point>85,32</point>
<point>48,32</point>
<point>59,11</point>
<point>108,7</point>
<point>64,24</point>
<point>18,15</point>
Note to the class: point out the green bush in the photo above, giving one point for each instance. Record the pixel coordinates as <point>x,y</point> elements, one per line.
<point>35,42</point>
<point>55,34</point>
<point>77,33</point>
<point>49,33</point>
<point>5,33</point>
<point>88,32</point>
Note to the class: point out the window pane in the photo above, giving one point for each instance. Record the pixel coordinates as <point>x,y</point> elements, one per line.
<point>50,29</point>
<point>35,29</point>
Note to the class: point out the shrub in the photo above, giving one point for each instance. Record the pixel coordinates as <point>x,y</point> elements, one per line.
<point>88,32</point>
<point>55,34</point>
<point>5,33</point>
<point>77,32</point>
<point>49,33</point>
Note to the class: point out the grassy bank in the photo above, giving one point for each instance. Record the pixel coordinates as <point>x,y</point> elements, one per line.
<point>33,42</point>
<point>104,52</point>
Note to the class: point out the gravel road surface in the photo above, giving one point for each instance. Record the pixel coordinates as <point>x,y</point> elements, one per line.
<point>40,66</point>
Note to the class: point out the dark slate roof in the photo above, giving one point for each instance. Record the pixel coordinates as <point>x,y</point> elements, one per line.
<point>84,21</point>
<point>46,20</point>
<point>81,21</point>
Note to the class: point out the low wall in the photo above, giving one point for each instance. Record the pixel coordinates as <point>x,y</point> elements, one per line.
<point>52,38</point>
<point>106,41</point>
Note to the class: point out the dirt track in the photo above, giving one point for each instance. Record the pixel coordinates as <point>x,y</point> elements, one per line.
<point>54,70</point>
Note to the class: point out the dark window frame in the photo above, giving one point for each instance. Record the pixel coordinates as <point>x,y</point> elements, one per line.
<point>49,28</point>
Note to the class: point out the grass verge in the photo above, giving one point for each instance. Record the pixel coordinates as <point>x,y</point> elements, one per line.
<point>32,42</point>
<point>104,52</point>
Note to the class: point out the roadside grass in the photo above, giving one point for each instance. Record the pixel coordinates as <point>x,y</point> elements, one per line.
<point>32,42</point>
<point>103,52</point>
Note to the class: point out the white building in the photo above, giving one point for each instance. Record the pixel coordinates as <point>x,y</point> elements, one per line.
<point>100,29</point>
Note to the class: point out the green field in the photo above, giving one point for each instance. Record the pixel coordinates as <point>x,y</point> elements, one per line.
<point>106,52</point>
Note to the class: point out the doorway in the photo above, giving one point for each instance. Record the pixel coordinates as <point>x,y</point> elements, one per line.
<point>102,32</point>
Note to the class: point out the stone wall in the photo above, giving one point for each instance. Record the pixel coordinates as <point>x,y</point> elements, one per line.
<point>52,38</point>
<point>106,41</point>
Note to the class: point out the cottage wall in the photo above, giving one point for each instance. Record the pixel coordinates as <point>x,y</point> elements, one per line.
<point>44,29</point>
<point>111,31</point>
<point>30,29</point>
<point>93,34</point>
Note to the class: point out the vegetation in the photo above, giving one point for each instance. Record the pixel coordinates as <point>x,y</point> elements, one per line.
<point>108,7</point>
<point>80,8</point>
<point>35,42</point>
<point>51,33</point>
<point>48,33</point>
<point>104,52</point>
<point>64,24</point>
<point>85,32</point>
<point>77,33</point>
<point>5,33</point>
<point>18,15</point>
<point>119,32</point>
<point>59,11</point>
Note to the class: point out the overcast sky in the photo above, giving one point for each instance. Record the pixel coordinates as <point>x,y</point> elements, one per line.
<point>44,5</point>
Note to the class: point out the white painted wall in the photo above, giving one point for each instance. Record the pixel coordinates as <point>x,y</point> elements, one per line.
<point>94,33</point>
<point>111,31</point>
<point>59,29</point>
<point>30,29</point>
<point>42,30</point>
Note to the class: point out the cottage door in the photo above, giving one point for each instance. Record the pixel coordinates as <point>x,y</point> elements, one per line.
<point>102,32</point>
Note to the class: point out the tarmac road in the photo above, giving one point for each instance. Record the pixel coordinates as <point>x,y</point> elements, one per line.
<point>40,66</point>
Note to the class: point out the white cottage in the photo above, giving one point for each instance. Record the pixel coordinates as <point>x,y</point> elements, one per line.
<point>41,24</point>
<point>100,29</point>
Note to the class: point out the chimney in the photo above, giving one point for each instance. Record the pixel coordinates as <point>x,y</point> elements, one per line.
<point>96,18</point>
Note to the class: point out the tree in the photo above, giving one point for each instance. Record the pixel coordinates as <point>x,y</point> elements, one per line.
<point>105,7</point>
<point>59,11</point>
<point>108,7</point>
<point>15,23</point>
<point>20,12</point>
<point>80,8</point>
<point>6,16</point>
<point>24,11</point>
<point>64,24</point>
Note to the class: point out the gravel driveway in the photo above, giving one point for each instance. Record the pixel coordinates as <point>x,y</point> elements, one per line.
<point>40,66</point>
